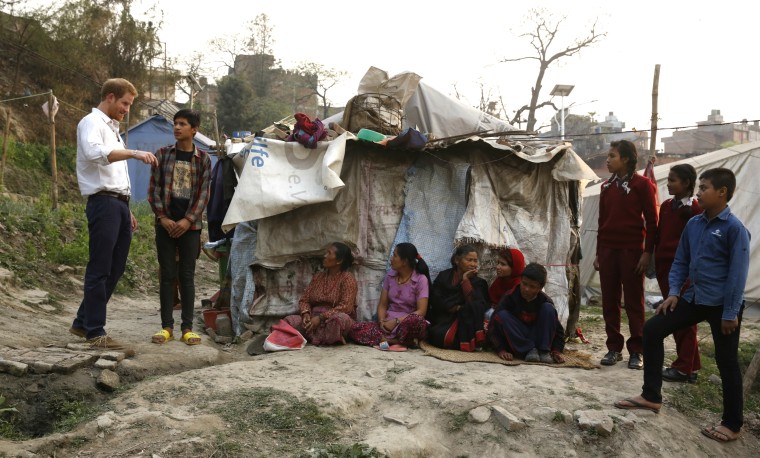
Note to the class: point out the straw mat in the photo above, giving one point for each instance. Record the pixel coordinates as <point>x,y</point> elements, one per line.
<point>573,358</point>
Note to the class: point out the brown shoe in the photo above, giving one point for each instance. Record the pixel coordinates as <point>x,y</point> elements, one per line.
<point>107,343</point>
<point>79,332</point>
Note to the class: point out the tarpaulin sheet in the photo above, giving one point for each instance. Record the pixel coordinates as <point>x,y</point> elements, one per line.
<point>288,174</point>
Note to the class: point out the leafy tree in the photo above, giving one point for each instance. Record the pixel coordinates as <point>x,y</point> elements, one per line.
<point>235,107</point>
<point>318,80</point>
<point>543,32</point>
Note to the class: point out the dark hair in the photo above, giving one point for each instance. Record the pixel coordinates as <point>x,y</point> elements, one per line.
<point>343,254</point>
<point>118,87</point>
<point>408,253</point>
<point>461,251</point>
<point>721,178</point>
<point>627,150</point>
<point>536,272</point>
<point>686,172</point>
<point>192,117</point>
<point>507,255</point>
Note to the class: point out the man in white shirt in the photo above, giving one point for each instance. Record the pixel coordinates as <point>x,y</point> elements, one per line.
<point>104,178</point>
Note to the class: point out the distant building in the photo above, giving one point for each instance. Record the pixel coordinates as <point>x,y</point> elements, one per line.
<point>709,136</point>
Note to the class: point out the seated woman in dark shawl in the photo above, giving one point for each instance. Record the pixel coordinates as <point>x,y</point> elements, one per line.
<point>327,309</point>
<point>458,300</point>
<point>525,323</point>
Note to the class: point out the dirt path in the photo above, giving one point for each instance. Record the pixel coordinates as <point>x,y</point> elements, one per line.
<point>205,401</point>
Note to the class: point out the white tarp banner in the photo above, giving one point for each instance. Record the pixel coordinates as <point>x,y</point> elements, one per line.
<point>281,176</point>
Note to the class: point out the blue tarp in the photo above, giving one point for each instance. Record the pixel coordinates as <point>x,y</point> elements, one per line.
<point>150,135</point>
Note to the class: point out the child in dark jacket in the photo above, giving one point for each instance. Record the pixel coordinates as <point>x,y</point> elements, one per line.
<point>525,323</point>
<point>674,214</point>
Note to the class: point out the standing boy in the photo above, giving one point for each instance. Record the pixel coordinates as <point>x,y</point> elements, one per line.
<point>627,217</point>
<point>104,178</point>
<point>178,194</point>
<point>714,254</point>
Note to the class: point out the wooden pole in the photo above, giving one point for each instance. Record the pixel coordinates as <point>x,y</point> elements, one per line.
<point>655,94</point>
<point>53,160</point>
<point>6,134</point>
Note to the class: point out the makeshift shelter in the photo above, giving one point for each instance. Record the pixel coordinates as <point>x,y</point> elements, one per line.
<point>150,135</point>
<point>484,191</point>
<point>744,160</point>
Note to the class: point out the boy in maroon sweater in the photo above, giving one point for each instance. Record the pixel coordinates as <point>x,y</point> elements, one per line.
<point>674,214</point>
<point>627,217</point>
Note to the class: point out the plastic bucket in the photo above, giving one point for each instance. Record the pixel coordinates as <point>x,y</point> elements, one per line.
<point>209,316</point>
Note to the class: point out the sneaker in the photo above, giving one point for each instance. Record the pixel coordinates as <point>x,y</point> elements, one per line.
<point>107,343</point>
<point>611,358</point>
<point>545,357</point>
<point>79,332</point>
<point>671,374</point>
<point>533,356</point>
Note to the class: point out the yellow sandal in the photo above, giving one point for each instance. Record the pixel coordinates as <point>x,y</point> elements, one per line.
<point>191,338</point>
<point>162,336</point>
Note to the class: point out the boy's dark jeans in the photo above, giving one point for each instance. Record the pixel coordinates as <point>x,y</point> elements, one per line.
<point>687,314</point>
<point>167,248</point>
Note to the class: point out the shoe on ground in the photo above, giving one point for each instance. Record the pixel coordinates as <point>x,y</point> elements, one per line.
<point>636,361</point>
<point>671,374</point>
<point>79,332</point>
<point>533,356</point>
<point>611,358</point>
<point>545,357</point>
<point>108,344</point>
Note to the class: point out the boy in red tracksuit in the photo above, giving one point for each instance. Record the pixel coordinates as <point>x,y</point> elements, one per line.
<point>674,214</point>
<point>627,217</point>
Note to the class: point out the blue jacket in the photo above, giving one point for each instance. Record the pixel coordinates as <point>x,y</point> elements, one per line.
<point>714,254</point>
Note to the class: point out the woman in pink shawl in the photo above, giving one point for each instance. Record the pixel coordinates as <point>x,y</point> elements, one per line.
<point>509,270</point>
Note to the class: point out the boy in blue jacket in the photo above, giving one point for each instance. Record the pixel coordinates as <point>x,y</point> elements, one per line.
<point>714,253</point>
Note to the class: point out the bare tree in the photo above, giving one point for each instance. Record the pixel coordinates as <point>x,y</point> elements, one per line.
<point>229,47</point>
<point>542,36</point>
<point>320,79</point>
<point>262,40</point>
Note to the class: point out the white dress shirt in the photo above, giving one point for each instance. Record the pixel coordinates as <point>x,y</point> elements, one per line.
<point>97,136</point>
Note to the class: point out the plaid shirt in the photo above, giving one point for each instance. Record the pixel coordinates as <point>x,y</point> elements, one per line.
<point>160,190</point>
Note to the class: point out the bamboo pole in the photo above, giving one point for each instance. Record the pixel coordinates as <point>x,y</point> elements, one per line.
<point>53,159</point>
<point>655,94</point>
<point>6,134</point>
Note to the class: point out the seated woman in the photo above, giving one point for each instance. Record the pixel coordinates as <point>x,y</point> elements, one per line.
<point>403,303</point>
<point>509,269</point>
<point>328,306</point>
<point>525,323</point>
<point>458,300</point>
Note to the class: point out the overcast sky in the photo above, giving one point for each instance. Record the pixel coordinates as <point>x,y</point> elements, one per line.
<point>708,54</point>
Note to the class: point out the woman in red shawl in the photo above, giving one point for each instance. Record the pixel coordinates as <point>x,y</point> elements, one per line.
<point>509,269</point>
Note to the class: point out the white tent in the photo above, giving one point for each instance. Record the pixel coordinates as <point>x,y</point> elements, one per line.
<point>744,160</point>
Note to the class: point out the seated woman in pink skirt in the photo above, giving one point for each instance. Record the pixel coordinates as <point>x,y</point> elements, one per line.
<point>328,306</point>
<point>403,304</point>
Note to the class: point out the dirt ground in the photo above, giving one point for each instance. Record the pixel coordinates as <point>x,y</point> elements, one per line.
<point>179,400</point>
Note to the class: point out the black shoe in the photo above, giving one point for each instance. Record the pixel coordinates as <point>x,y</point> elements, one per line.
<point>671,374</point>
<point>611,358</point>
<point>636,361</point>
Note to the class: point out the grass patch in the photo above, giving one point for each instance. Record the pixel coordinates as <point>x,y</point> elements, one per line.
<point>704,395</point>
<point>273,420</point>
<point>344,451</point>
<point>72,413</point>
<point>458,420</point>
<point>432,383</point>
